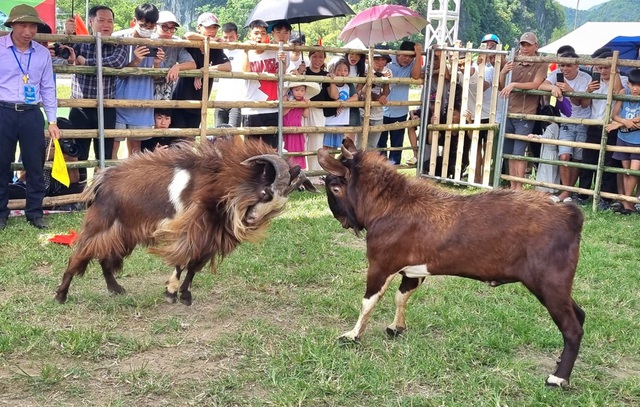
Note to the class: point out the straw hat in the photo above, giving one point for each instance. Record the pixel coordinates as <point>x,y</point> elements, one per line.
<point>23,14</point>
<point>313,88</point>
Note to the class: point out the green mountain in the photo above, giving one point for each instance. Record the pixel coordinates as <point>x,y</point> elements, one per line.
<point>614,10</point>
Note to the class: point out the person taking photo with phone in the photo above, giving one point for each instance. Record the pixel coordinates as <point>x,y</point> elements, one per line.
<point>570,78</point>
<point>138,86</point>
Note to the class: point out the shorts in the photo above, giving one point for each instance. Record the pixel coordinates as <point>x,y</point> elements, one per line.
<point>572,132</point>
<point>521,128</point>
<point>122,126</point>
<point>620,156</point>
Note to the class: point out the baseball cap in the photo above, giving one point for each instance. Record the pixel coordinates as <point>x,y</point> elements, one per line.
<point>529,38</point>
<point>168,17</point>
<point>491,37</point>
<point>207,20</point>
<point>377,54</point>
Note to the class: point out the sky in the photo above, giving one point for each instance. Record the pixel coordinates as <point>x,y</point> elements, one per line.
<point>584,4</point>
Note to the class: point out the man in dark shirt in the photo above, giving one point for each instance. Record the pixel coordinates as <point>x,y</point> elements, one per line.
<point>86,86</point>
<point>191,88</point>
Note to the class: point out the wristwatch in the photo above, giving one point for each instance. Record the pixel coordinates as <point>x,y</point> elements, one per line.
<point>54,122</point>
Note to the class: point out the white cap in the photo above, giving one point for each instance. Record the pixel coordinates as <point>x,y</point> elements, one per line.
<point>207,20</point>
<point>168,17</point>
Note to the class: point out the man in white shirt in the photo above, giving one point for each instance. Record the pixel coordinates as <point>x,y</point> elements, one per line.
<point>570,79</point>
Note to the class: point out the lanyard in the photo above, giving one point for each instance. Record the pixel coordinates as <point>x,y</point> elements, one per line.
<point>25,75</point>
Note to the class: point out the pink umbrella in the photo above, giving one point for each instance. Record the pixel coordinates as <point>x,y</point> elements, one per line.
<point>384,23</point>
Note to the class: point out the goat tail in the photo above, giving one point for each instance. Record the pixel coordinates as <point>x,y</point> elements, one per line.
<point>90,193</point>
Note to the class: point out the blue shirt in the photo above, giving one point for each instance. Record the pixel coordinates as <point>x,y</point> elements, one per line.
<point>399,91</point>
<point>36,61</point>
<point>135,87</point>
<point>629,110</point>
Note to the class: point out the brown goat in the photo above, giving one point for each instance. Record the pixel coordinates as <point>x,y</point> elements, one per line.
<point>416,229</point>
<point>192,204</point>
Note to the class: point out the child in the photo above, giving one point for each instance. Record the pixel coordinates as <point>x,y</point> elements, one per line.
<point>626,116</point>
<point>379,94</point>
<point>162,120</point>
<point>295,142</point>
<point>339,116</point>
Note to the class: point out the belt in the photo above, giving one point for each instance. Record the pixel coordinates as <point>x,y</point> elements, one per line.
<point>18,107</point>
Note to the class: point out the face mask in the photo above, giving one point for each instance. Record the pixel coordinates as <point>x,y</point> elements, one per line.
<point>143,32</point>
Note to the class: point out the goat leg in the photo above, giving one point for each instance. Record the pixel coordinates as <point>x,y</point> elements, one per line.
<point>407,287</point>
<point>185,294</point>
<point>171,292</point>
<point>109,269</point>
<point>375,290</point>
<point>77,265</point>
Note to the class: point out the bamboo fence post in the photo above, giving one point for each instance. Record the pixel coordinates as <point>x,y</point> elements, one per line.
<point>367,104</point>
<point>477,118</point>
<point>436,111</point>
<point>205,91</point>
<point>488,150</point>
<point>604,134</point>
<point>464,107</point>
<point>452,98</point>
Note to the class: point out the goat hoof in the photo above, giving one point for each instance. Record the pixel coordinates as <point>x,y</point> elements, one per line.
<point>395,332</point>
<point>556,382</point>
<point>185,298</point>
<point>171,298</point>
<point>117,289</point>
<point>347,340</point>
<point>61,298</point>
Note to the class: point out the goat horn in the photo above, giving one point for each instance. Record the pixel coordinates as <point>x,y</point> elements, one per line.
<point>281,183</point>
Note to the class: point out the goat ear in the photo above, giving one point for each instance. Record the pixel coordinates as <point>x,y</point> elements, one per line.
<point>330,164</point>
<point>349,145</point>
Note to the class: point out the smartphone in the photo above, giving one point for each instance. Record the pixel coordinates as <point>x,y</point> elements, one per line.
<point>153,52</point>
<point>559,77</point>
<point>595,76</point>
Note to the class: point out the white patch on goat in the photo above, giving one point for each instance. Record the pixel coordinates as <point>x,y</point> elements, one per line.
<point>173,284</point>
<point>179,182</point>
<point>367,307</point>
<point>415,271</point>
<point>557,381</point>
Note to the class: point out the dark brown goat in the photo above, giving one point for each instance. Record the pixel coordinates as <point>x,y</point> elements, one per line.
<point>416,229</point>
<point>192,204</point>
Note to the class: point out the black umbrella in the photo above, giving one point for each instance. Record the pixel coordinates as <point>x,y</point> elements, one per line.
<point>298,11</point>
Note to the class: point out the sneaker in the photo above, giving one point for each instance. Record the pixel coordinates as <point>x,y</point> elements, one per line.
<point>554,198</point>
<point>412,161</point>
<point>567,200</point>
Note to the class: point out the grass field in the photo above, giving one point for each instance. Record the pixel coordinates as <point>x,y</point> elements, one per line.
<point>263,330</point>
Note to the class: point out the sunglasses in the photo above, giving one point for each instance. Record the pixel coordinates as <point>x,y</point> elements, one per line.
<point>166,28</point>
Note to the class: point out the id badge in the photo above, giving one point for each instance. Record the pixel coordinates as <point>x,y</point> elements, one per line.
<point>29,94</point>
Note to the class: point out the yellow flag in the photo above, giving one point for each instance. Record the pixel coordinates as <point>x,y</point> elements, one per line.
<point>59,167</point>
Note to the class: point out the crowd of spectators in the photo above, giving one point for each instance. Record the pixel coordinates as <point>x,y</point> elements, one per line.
<point>149,22</point>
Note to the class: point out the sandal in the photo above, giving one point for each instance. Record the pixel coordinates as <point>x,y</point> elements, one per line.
<point>554,199</point>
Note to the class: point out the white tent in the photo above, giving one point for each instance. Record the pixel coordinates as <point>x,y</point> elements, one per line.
<point>589,37</point>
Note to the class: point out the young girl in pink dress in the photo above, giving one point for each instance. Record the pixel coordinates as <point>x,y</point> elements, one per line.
<point>296,142</point>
